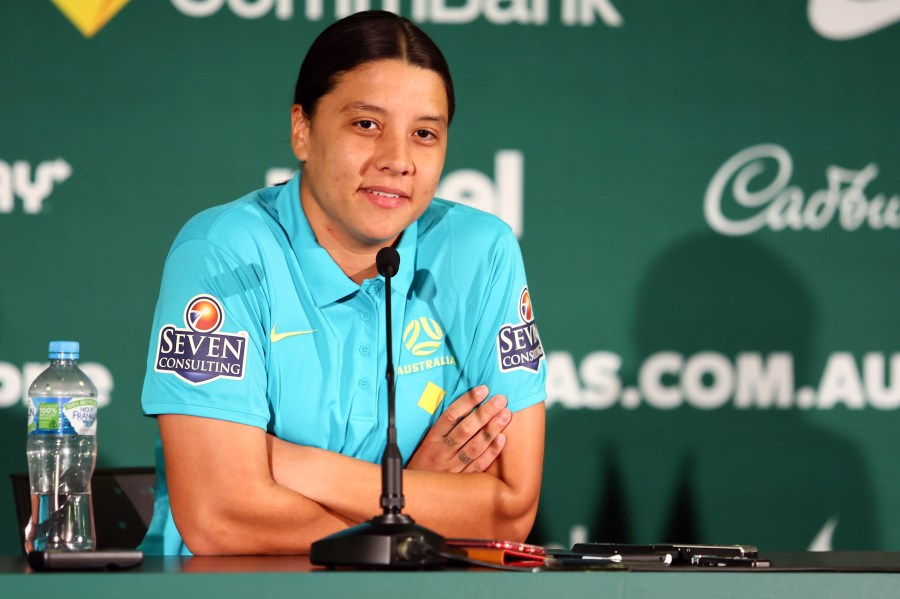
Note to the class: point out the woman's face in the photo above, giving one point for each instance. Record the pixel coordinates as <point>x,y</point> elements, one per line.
<point>373,153</point>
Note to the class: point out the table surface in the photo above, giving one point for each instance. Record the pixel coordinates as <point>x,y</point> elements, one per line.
<point>838,574</point>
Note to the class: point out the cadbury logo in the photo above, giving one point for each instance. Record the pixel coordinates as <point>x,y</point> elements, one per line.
<point>742,199</point>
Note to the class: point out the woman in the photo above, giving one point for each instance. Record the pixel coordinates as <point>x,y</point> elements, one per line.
<point>266,367</point>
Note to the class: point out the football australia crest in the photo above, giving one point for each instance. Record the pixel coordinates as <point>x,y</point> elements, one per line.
<point>423,336</point>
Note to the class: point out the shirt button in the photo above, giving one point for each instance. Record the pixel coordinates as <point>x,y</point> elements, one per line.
<point>365,350</point>
<point>366,316</point>
<point>364,383</point>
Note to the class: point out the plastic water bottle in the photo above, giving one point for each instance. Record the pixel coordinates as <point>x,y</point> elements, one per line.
<point>62,451</point>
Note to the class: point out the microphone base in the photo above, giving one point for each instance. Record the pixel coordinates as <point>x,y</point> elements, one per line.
<point>389,542</point>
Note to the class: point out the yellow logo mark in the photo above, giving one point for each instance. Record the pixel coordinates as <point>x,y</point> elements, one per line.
<point>431,329</point>
<point>276,337</point>
<point>431,397</point>
<point>89,16</point>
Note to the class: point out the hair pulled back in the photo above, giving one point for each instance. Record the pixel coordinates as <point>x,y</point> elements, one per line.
<point>362,38</point>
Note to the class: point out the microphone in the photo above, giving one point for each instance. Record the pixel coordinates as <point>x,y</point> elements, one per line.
<point>392,540</point>
<point>387,260</point>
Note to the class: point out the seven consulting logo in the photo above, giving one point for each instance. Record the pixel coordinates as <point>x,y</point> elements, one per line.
<point>198,354</point>
<point>203,314</point>
<point>519,346</point>
<point>90,16</point>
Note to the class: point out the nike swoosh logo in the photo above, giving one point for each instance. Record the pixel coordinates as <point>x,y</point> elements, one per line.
<point>276,337</point>
<point>850,19</point>
<point>822,541</point>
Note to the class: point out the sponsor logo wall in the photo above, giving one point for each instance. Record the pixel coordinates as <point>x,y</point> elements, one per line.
<point>709,223</point>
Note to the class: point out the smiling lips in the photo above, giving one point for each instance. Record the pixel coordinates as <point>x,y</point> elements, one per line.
<point>385,197</point>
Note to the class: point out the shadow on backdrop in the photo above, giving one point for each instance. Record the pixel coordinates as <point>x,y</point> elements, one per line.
<point>763,476</point>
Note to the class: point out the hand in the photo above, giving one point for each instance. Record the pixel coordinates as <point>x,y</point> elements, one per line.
<point>467,437</point>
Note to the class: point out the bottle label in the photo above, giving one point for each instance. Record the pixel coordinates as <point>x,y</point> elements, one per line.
<point>62,415</point>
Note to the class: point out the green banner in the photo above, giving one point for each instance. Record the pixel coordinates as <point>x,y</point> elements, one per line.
<point>706,194</point>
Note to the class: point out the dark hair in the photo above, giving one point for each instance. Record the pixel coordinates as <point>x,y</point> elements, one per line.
<point>362,38</point>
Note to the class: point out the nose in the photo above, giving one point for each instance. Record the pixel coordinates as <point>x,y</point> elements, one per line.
<point>393,155</point>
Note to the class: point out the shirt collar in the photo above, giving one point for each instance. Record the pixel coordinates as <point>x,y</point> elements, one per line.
<point>326,282</point>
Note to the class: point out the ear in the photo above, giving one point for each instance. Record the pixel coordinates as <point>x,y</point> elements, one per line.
<point>299,132</point>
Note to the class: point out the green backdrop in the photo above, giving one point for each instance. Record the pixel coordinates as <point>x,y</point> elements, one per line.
<point>706,195</point>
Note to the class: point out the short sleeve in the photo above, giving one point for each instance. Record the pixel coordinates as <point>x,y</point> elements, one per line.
<point>207,355</point>
<point>507,348</point>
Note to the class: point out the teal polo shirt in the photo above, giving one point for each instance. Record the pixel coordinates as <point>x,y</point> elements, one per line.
<point>257,325</point>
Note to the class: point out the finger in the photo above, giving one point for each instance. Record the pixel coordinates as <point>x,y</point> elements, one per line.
<point>469,427</point>
<point>482,439</point>
<point>459,409</point>
<point>496,426</point>
<point>438,451</point>
<point>484,461</point>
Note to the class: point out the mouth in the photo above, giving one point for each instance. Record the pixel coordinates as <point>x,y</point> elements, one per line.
<point>385,197</point>
<point>383,194</point>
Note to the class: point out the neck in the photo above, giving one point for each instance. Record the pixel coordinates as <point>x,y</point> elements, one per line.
<point>355,258</point>
<point>358,266</point>
<point>356,261</point>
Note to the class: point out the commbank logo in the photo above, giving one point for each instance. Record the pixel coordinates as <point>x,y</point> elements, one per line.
<point>90,16</point>
<point>431,329</point>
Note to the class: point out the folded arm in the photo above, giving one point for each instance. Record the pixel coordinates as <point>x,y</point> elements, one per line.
<point>223,498</point>
<point>498,503</point>
<point>233,489</point>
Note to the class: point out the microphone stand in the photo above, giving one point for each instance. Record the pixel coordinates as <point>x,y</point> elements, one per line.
<point>391,540</point>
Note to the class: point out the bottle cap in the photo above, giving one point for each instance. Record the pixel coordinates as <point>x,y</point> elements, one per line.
<point>64,350</point>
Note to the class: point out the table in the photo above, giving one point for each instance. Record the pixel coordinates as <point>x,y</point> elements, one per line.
<point>794,575</point>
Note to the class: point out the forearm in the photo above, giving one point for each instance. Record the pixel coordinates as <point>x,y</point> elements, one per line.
<point>264,519</point>
<point>223,498</point>
<point>454,505</point>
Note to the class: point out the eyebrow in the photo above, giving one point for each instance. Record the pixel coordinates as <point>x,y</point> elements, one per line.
<point>365,107</point>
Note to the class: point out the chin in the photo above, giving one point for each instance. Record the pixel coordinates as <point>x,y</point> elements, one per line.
<point>384,235</point>
<point>380,242</point>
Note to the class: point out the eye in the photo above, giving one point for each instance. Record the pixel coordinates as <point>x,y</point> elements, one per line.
<point>366,125</point>
<point>425,135</point>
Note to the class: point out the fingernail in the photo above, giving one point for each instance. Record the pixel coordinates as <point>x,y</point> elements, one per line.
<point>504,416</point>
<point>481,391</point>
<point>499,401</point>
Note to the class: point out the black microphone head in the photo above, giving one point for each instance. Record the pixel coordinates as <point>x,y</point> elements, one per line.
<point>387,261</point>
